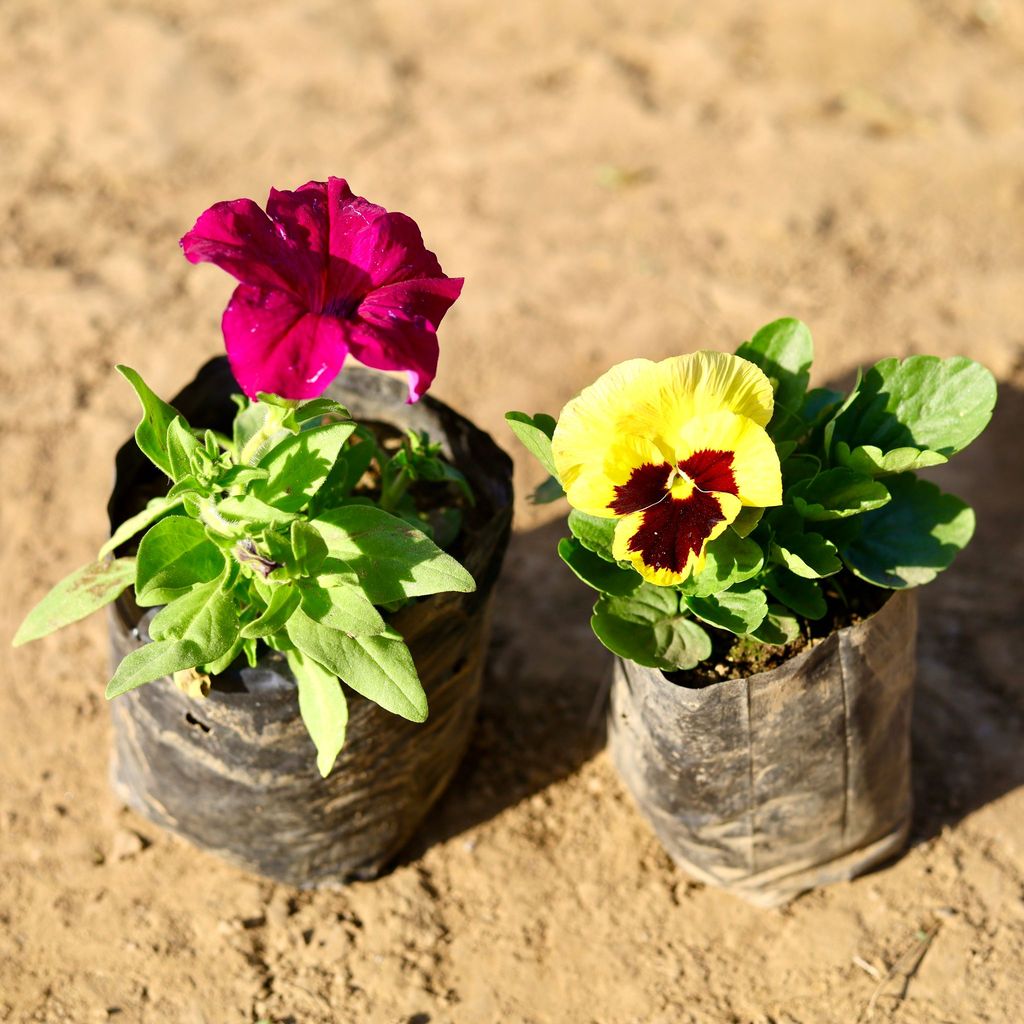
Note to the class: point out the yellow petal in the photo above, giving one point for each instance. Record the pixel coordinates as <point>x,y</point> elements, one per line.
<point>590,428</point>
<point>705,382</point>
<point>755,462</point>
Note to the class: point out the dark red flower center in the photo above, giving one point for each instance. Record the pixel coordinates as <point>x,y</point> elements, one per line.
<point>671,529</point>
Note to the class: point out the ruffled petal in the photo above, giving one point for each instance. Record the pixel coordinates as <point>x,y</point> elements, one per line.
<point>239,237</point>
<point>666,542</point>
<point>753,462</point>
<point>705,382</point>
<point>396,328</point>
<point>276,345</point>
<point>594,422</point>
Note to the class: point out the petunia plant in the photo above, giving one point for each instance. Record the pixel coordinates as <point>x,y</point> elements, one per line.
<point>299,531</point>
<point>715,494</point>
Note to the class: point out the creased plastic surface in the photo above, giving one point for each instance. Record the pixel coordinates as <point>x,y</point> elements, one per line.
<point>783,781</point>
<point>236,773</point>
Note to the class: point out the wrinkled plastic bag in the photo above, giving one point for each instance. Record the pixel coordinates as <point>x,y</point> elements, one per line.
<point>783,781</point>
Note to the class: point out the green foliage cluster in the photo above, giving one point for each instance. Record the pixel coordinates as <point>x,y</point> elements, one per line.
<point>263,539</point>
<point>852,506</point>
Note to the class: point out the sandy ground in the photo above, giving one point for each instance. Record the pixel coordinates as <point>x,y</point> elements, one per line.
<point>613,178</point>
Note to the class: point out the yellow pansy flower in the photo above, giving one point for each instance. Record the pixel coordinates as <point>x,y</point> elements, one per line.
<point>673,450</point>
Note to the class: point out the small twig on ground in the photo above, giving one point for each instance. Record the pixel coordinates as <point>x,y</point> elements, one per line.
<point>905,967</point>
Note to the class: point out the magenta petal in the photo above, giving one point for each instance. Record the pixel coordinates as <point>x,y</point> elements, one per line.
<point>238,237</point>
<point>397,328</point>
<point>276,345</point>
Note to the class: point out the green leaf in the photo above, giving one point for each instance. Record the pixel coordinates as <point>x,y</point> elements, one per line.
<point>932,404</point>
<point>872,461</point>
<point>746,521</point>
<point>649,628</point>
<point>607,577</point>
<point>323,708</point>
<point>535,434</point>
<point>155,508</point>
<point>196,629</point>
<point>379,667</point>
<point>299,465</point>
<point>912,539</point>
<point>309,549</point>
<point>837,493</point>
<point>735,610</point>
<point>784,351</point>
<point>83,592</point>
<point>284,599</point>
<point>547,492</point>
<point>343,607</point>
<point>388,558</point>
<point>173,556</point>
<point>182,449</point>
<point>802,595</point>
<point>244,511</point>
<point>153,661</point>
<point>729,560</point>
<point>807,554</point>
<point>206,615</point>
<point>157,415</point>
<point>779,627</point>
<point>593,533</point>
<point>818,404</point>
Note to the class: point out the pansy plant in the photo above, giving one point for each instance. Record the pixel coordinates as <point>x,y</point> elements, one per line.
<point>297,530</point>
<point>715,492</point>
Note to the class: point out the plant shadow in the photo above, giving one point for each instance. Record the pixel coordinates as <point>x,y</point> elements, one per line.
<point>968,723</point>
<point>542,706</point>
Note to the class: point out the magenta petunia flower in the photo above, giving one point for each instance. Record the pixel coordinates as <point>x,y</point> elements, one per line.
<point>323,273</point>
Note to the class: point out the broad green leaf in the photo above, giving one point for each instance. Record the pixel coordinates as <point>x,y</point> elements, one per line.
<point>83,592</point>
<point>386,557</point>
<point>173,556</point>
<point>649,628</point>
<point>284,599</point>
<point>153,661</point>
<point>738,611</point>
<point>593,533</point>
<point>206,615</point>
<point>837,493</point>
<point>309,549</point>
<point>784,351</point>
<point>801,595</point>
<point>535,434</point>
<point>807,554</point>
<point>157,415</point>
<point>729,560</point>
<point>872,461</point>
<point>938,405</point>
<point>818,404</point>
<point>779,626</point>
<point>221,664</point>
<point>833,419</point>
<point>379,667</point>
<point>606,577</point>
<point>155,508</point>
<point>352,462</point>
<point>343,607</point>
<point>318,408</point>
<point>299,465</point>
<point>248,421</point>
<point>912,539</point>
<point>746,522</point>
<point>323,708</point>
<point>182,449</point>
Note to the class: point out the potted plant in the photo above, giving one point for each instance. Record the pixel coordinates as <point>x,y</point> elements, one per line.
<point>755,546</point>
<point>300,571</point>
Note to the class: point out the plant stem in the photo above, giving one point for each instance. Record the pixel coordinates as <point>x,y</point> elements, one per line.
<point>257,444</point>
<point>391,493</point>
